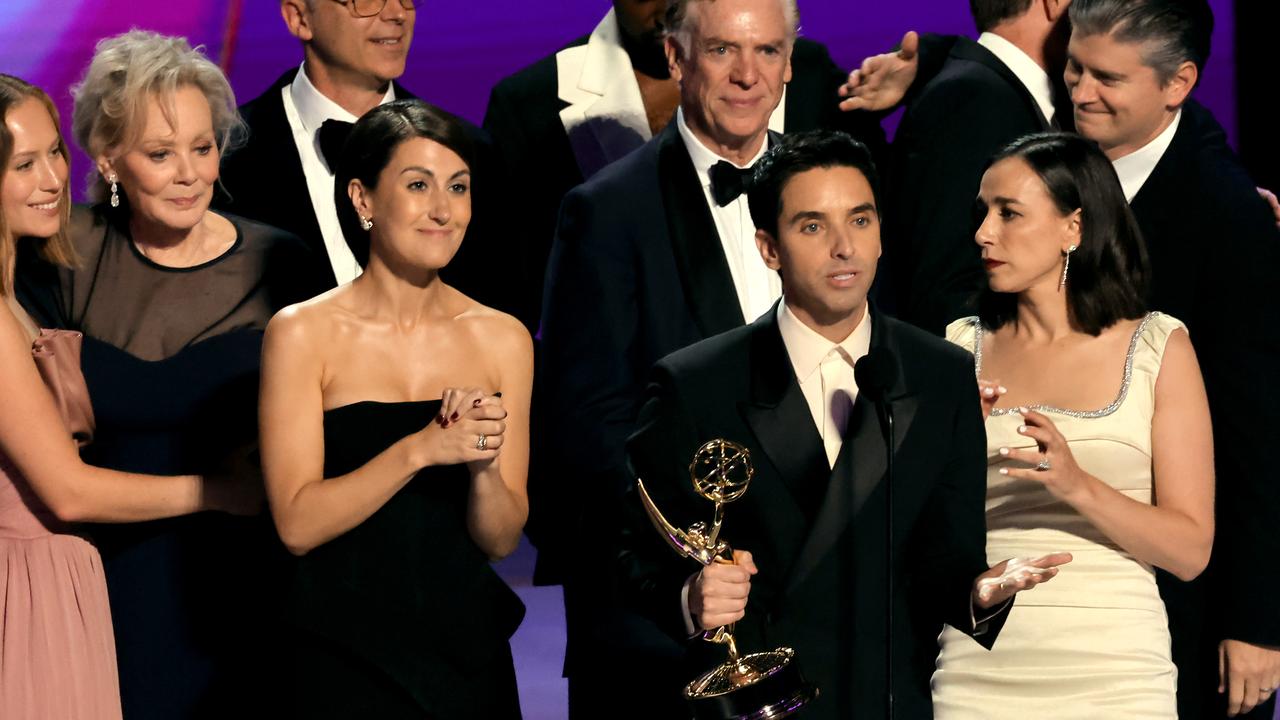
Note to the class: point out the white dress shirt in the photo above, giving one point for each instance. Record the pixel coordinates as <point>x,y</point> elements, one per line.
<point>825,372</point>
<point>758,287</point>
<point>1028,71</point>
<point>306,109</point>
<point>1134,169</point>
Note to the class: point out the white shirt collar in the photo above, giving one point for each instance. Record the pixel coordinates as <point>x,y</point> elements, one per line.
<point>1028,71</point>
<point>314,107</point>
<point>807,349</point>
<point>1134,168</point>
<point>704,157</point>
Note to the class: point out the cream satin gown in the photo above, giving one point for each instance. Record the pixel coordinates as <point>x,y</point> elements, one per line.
<point>1093,643</point>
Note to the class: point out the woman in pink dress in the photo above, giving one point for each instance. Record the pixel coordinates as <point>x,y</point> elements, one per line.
<point>57,653</point>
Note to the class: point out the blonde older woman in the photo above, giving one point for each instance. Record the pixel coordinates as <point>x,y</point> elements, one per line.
<point>172,299</point>
<point>57,654</point>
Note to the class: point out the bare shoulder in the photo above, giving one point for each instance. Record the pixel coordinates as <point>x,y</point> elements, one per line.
<point>496,328</point>
<point>1178,347</point>
<point>307,324</point>
<point>1179,369</point>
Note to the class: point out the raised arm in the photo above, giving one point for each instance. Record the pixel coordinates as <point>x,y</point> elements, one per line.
<point>1175,533</point>
<point>34,438</point>
<point>310,510</point>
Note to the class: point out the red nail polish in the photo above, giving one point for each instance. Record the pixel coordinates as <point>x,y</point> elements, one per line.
<point>453,417</point>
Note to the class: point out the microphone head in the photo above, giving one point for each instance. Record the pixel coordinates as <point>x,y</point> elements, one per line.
<point>876,373</point>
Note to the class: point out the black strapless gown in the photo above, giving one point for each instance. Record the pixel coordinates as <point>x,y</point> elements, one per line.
<point>402,616</point>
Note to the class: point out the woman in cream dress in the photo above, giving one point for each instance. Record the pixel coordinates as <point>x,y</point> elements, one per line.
<point>1100,446</point>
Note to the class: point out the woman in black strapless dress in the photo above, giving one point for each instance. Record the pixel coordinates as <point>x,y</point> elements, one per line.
<point>394,425</point>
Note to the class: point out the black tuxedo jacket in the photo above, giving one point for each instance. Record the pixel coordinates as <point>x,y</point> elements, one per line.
<point>818,534</point>
<point>1214,251</point>
<point>523,118</point>
<point>637,272</point>
<point>954,124</point>
<point>264,181</point>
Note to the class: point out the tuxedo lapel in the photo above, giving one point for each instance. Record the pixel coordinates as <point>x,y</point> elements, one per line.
<point>269,166</point>
<point>859,467</point>
<point>777,412</point>
<point>704,272</point>
<point>604,117</point>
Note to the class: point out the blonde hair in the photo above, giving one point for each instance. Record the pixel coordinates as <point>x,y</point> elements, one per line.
<point>127,71</point>
<point>57,249</point>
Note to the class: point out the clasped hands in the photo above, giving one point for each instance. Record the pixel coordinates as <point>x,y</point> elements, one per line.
<point>466,416</point>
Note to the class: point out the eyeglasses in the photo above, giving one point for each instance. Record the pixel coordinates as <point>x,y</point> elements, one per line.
<point>369,8</point>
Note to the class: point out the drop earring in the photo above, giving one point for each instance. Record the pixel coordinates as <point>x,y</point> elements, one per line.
<point>366,224</point>
<point>115,196</point>
<point>1066,264</point>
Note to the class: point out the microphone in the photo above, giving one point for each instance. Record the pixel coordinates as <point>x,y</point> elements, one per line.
<point>876,374</point>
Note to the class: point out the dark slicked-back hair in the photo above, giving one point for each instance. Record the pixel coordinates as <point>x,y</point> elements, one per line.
<point>374,139</point>
<point>1171,31</point>
<point>799,153</point>
<point>989,13</point>
<point>1110,273</point>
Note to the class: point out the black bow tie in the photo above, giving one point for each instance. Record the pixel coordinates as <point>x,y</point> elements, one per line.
<point>729,181</point>
<point>333,135</point>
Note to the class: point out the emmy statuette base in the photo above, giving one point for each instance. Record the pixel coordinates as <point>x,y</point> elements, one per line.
<point>760,686</point>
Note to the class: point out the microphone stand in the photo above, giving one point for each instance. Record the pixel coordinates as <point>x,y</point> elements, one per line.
<point>886,418</point>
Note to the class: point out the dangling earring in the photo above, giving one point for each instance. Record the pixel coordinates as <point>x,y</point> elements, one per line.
<point>1066,264</point>
<point>366,223</point>
<point>115,197</point>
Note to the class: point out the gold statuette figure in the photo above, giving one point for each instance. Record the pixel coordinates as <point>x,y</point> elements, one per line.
<point>758,686</point>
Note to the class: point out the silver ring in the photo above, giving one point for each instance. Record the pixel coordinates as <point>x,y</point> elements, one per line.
<point>1044,465</point>
<point>1268,690</point>
<point>482,442</point>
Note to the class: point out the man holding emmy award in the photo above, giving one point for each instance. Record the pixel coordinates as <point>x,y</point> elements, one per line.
<point>767,422</point>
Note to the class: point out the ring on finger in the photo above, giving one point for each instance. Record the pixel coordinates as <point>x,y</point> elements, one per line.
<point>1044,465</point>
<point>482,441</point>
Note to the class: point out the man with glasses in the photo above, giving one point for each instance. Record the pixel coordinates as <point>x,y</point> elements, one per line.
<point>353,51</point>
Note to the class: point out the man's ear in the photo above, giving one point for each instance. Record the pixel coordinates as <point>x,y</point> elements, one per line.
<point>1181,85</point>
<point>674,53</point>
<point>768,247</point>
<point>1054,9</point>
<point>297,18</point>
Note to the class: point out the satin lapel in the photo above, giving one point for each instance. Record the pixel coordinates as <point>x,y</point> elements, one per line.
<point>605,117</point>
<point>278,160</point>
<point>704,272</point>
<point>970,50</point>
<point>778,414</point>
<point>860,466</point>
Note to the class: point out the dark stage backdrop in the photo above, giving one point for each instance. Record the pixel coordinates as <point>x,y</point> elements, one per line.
<point>460,48</point>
